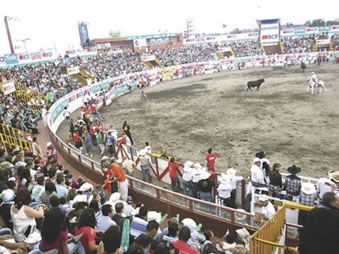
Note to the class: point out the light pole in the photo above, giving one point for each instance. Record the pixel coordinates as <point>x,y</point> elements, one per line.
<point>24,42</point>
<point>9,34</point>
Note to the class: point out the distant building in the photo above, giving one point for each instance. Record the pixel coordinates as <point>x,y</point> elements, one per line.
<point>140,43</point>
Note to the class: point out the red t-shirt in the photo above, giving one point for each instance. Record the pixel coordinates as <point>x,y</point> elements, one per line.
<point>93,108</point>
<point>183,247</point>
<point>210,158</point>
<point>76,136</point>
<point>173,169</point>
<point>89,235</point>
<point>57,244</point>
<point>117,170</point>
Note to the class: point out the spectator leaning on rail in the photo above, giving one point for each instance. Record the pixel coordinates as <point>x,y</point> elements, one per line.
<point>292,181</point>
<point>308,195</point>
<point>173,168</point>
<point>320,233</point>
<point>145,166</point>
<point>257,175</point>
<point>275,185</point>
<point>205,186</point>
<point>232,174</point>
<point>187,178</point>
<point>224,190</point>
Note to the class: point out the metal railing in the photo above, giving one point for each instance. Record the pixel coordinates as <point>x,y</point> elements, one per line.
<point>266,239</point>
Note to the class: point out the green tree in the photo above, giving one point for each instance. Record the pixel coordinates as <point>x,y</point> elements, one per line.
<point>235,31</point>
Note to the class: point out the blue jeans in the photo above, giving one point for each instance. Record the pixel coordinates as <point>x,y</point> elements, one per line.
<point>175,184</point>
<point>5,231</point>
<point>72,247</point>
<point>146,170</point>
<point>187,188</point>
<point>207,196</point>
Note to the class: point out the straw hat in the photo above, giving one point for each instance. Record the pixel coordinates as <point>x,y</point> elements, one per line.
<point>189,164</point>
<point>86,187</point>
<point>256,160</point>
<point>308,188</point>
<point>142,152</point>
<point>263,198</point>
<point>224,179</point>
<point>205,175</point>
<point>333,176</point>
<point>240,216</point>
<point>114,197</point>
<point>48,144</point>
<point>231,172</point>
<point>197,166</point>
<point>190,223</point>
<point>153,215</point>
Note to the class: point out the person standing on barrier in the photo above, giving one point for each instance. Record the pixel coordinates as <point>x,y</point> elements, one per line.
<point>187,178</point>
<point>120,177</point>
<point>145,166</point>
<point>224,190</point>
<point>196,177</point>
<point>205,186</point>
<point>210,161</point>
<point>173,167</point>
<point>127,130</point>
<point>257,175</point>
<point>231,173</point>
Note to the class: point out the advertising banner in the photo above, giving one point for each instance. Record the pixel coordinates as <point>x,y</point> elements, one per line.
<point>11,58</point>
<point>73,70</point>
<point>140,43</point>
<point>269,33</point>
<point>8,88</point>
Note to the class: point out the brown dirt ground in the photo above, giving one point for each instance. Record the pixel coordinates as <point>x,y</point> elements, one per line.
<point>188,116</point>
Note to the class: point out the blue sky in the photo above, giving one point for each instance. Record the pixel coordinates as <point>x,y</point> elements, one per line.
<point>51,24</point>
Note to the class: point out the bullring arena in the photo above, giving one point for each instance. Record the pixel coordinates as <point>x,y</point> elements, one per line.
<point>187,116</point>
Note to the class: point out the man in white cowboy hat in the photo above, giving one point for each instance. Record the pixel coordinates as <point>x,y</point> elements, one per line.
<point>257,175</point>
<point>187,178</point>
<point>308,195</point>
<point>324,185</point>
<point>205,186</point>
<point>264,206</point>
<point>231,172</point>
<point>196,176</point>
<point>224,190</point>
<point>145,165</point>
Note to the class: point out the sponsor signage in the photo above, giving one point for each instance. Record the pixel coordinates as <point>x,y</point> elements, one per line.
<point>8,88</point>
<point>73,70</point>
<point>140,43</point>
<point>11,58</point>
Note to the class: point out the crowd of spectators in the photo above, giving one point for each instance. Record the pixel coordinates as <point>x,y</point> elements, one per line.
<point>300,44</point>
<point>42,200</point>
<point>246,48</point>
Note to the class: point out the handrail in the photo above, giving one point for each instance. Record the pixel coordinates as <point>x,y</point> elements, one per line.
<point>276,245</point>
<point>156,189</point>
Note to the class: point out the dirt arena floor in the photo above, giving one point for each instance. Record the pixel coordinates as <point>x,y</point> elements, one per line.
<point>188,116</point>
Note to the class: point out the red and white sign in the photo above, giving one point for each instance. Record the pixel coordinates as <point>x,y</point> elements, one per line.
<point>269,33</point>
<point>8,88</point>
<point>140,43</point>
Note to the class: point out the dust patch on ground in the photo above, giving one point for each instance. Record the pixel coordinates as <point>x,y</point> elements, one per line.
<point>190,115</point>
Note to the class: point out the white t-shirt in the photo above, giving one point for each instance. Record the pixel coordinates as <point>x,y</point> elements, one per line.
<point>257,174</point>
<point>187,174</point>
<point>224,190</point>
<point>268,210</point>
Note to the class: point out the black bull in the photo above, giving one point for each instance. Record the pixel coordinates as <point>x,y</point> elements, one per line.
<point>256,84</point>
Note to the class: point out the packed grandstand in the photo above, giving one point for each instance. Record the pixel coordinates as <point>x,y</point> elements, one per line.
<point>46,209</point>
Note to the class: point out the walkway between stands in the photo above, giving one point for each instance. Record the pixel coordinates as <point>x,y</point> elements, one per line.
<point>43,138</point>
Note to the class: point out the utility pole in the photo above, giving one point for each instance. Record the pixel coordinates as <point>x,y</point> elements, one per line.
<point>9,35</point>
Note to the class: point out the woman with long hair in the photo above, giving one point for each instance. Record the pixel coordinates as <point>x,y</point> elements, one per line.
<point>86,225</point>
<point>23,216</point>
<point>55,233</point>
